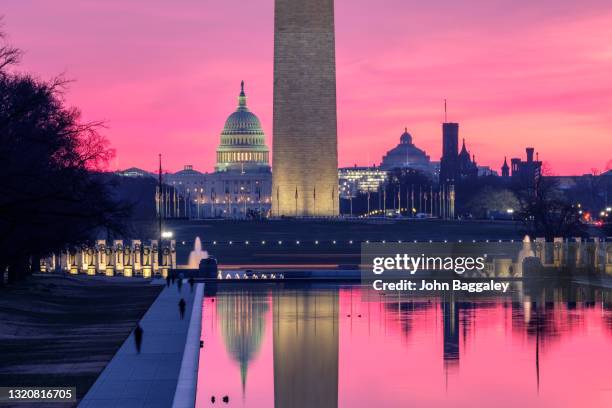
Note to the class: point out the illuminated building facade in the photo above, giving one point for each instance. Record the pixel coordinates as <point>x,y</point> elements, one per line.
<point>407,156</point>
<point>355,180</point>
<point>240,187</point>
<point>526,172</point>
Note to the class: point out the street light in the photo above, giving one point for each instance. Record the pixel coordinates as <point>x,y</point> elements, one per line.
<point>167,234</point>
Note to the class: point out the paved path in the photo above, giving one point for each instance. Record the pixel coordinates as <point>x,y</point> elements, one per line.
<point>150,379</point>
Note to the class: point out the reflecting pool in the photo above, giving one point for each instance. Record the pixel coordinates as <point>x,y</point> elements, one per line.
<point>328,346</point>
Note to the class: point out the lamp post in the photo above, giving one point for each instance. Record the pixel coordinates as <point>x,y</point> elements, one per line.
<point>159,252</point>
<point>243,199</point>
<point>351,199</point>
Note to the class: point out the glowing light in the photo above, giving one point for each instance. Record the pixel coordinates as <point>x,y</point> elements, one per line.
<point>167,234</point>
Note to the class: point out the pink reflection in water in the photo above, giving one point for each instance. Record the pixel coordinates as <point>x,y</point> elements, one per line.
<point>422,353</point>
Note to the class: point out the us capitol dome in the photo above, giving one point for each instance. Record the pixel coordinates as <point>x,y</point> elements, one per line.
<point>243,146</point>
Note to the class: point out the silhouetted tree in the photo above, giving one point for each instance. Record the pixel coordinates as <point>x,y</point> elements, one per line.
<point>50,195</point>
<point>547,212</point>
<point>490,199</point>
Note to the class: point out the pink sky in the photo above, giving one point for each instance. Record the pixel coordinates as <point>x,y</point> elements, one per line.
<point>165,75</point>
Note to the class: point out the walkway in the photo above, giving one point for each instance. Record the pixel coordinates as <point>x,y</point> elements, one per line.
<point>151,378</point>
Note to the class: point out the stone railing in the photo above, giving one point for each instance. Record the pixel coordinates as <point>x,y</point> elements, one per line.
<point>116,259</point>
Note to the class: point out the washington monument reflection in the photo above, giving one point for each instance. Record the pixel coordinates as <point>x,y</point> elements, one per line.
<point>305,348</point>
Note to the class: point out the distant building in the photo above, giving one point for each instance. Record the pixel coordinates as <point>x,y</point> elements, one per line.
<point>243,145</point>
<point>454,165</point>
<point>467,167</point>
<point>134,172</point>
<point>355,180</point>
<point>449,166</point>
<point>406,155</point>
<point>241,185</point>
<point>525,173</point>
<point>505,169</point>
<point>484,171</point>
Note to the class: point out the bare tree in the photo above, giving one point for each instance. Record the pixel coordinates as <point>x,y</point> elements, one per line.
<point>50,195</point>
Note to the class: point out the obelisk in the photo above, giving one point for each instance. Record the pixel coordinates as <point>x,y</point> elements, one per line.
<point>305,151</point>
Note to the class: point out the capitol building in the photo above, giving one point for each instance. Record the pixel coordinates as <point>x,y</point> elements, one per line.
<point>241,185</point>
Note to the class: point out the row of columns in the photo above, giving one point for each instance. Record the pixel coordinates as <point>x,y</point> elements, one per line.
<point>117,258</point>
<point>575,252</point>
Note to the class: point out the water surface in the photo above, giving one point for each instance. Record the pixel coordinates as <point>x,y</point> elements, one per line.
<point>327,346</point>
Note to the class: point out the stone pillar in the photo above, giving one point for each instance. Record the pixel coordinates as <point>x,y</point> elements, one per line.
<point>90,259</point>
<point>137,251</point>
<point>165,261</point>
<point>305,165</point>
<point>73,260</point>
<point>558,252</point>
<point>540,250</point>
<point>54,262</point>
<point>102,259</point>
<point>173,254</point>
<point>110,260</point>
<point>154,258</point>
<point>504,268</point>
<point>608,257</point>
<point>128,261</point>
<point>118,249</point>
<point>42,265</point>
<point>596,259</point>
<point>147,262</point>
<point>80,259</point>
<point>64,261</point>
<point>578,251</point>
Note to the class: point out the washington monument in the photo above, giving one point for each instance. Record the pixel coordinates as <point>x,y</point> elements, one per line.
<point>305,151</point>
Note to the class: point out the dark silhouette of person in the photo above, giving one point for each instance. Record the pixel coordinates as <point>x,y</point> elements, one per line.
<point>179,284</point>
<point>213,399</point>
<point>226,399</point>
<point>182,305</point>
<point>191,283</point>
<point>168,281</point>
<point>173,278</point>
<point>138,337</point>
